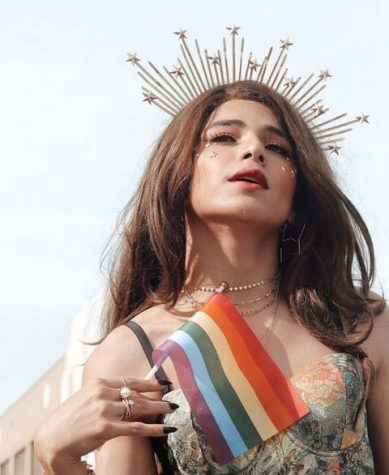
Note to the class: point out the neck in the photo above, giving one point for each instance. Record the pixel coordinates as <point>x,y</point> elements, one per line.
<point>219,253</point>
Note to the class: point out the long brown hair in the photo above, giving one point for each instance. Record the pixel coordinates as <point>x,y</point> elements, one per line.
<point>327,285</point>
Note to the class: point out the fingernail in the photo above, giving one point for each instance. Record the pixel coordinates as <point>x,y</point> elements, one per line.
<point>173,405</point>
<point>169,430</point>
<point>164,382</point>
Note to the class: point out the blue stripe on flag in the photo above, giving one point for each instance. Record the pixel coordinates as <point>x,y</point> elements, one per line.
<point>207,389</point>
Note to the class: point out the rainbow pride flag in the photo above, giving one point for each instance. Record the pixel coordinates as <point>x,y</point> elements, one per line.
<point>236,392</point>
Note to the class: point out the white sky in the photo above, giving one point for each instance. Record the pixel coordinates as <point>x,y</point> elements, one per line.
<point>75,135</point>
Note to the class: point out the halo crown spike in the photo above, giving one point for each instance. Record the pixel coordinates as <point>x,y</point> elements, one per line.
<point>171,89</point>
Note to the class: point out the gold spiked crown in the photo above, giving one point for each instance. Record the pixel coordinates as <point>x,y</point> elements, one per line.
<point>172,89</point>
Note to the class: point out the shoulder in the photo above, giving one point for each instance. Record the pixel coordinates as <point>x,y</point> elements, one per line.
<point>376,345</point>
<point>121,354</point>
<point>378,402</point>
<point>377,348</point>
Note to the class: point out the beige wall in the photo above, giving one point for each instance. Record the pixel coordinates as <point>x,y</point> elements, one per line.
<point>19,422</point>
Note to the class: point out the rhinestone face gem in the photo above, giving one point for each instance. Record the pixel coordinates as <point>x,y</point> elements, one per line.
<point>125,392</point>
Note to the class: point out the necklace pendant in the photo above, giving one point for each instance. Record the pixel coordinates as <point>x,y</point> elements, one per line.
<point>222,288</point>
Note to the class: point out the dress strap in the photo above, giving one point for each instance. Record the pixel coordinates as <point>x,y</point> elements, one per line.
<point>148,349</point>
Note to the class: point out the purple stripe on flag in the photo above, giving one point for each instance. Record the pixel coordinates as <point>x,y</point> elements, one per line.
<point>198,404</point>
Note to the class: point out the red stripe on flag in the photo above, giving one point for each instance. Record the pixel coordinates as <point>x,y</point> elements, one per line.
<point>274,390</point>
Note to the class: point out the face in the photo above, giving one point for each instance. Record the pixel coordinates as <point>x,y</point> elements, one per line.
<point>243,171</point>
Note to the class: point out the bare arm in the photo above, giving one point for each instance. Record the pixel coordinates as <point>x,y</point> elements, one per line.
<point>121,354</point>
<point>378,403</point>
<point>92,417</point>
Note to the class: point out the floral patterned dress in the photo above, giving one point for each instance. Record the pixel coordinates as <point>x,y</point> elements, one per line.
<point>331,439</point>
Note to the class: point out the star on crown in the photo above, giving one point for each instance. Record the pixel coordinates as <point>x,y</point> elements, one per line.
<point>181,34</point>
<point>132,58</point>
<point>149,97</point>
<point>285,44</point>
<point>290,83</point>
<point>254,65</point>
<point>233,29</point>
<point>363,118</point>
<point>214,59</point>
<point>318,109</point>
<point>176,71</point>
<point>334,148</point>
<point>324,74</point>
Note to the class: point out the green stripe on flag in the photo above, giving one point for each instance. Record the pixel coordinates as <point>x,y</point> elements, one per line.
<point>222,385</point>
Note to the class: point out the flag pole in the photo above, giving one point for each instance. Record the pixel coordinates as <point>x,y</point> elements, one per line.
<point>152,372</point>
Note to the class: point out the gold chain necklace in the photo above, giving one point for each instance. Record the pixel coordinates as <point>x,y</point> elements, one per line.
<point>196,304</point>
<point>271,327</point>
<point>237,304</point>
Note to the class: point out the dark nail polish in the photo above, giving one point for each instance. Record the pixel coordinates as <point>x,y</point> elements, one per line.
<point>173,405</point>
<point>169,430</point>
<point>164,382</point>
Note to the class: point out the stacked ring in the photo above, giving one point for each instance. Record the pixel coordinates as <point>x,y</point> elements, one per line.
<point>125,393</point>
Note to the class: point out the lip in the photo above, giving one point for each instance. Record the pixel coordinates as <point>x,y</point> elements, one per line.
<point>254,174</point>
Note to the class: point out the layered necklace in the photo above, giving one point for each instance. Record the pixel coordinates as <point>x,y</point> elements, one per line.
<point>267,294</point>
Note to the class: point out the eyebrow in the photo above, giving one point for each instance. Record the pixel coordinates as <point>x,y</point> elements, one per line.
<point>239,123</point>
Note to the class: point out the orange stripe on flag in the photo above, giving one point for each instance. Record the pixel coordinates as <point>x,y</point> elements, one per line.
<point>276,409</point>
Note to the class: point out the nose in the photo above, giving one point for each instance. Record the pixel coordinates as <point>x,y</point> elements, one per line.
<point>255,151</point>
<point>260,157</point>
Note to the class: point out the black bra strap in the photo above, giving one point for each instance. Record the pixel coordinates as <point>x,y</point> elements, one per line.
<point>148,349</point>
<point>159,443</point>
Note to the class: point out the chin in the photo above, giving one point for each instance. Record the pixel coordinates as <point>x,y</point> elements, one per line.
<point>236,215</point>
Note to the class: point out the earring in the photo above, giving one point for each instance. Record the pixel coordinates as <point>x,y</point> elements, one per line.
<point>294,237</point>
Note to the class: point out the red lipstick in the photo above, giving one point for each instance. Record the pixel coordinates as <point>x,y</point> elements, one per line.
<point>250,176</point>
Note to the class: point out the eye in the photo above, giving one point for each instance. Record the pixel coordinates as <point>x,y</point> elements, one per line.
<point>222,137</point>
<point>275,147</point>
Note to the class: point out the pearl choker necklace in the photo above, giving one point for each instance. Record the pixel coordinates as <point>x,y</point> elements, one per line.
<point>225,287</point>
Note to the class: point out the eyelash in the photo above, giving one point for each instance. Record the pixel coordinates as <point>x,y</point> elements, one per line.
<point>278,149</point>
<point>273,147</point>
<point>216,137</point>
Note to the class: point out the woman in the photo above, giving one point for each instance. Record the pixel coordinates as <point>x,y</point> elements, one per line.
<point>235,178</point>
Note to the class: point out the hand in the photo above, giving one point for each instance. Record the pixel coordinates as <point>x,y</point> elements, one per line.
<point>95,414</point>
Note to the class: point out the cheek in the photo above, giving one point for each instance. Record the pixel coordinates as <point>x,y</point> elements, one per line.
<point>202,182</point>
<point>287,179</point>
<point>206,174</point>
<point>286,183</point>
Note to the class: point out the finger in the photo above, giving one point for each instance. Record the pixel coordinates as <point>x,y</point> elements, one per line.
<point>139,429</point>
<point>140,385</point>
<point>111,393</point>
<point>140,408</point>
<point>114,394</point>
<point>143,407</point>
